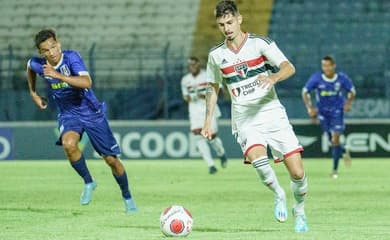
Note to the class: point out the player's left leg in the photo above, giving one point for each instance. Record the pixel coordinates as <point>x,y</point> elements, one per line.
<point>337,152</point>
<point>103,141</point>
<point>299,188</point>
<point>337,126</point>
<point>216,143</point>
<point>119,173</point>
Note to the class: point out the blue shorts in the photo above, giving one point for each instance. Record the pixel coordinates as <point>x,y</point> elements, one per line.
<point>98,131</point>
<point>332,121</point>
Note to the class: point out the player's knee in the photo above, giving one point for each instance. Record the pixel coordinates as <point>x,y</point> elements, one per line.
<point>111,160</point>
<point>297,174</point>
<point>69,146</point>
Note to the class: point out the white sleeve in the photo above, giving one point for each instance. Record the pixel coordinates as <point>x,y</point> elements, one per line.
<point>184,89</point>
<point>213,73</point>
<point>273,54</point>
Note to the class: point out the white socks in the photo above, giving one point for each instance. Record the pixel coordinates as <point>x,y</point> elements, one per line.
<point>217,145</point>
<point>267,175</point>
<point>299,189</point>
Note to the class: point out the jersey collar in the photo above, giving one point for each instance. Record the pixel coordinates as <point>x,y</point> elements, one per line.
<point>326,79</point>
<point>239,47</point>
<point>59,63</point>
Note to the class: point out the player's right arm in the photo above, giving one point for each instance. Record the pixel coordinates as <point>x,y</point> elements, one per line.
<point>214,78</point>
<point>311,110</point>
<point>31,80</point>
<point>309,86</point>
<point>184,91</point>
<point>212,91</point>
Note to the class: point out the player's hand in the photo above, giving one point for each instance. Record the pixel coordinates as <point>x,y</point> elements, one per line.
<point>266,82</point>
<point>41,102</point>
<point>206,131</point>
<point>347,107</point>
<point>49,71</point>
<point>312,111</point>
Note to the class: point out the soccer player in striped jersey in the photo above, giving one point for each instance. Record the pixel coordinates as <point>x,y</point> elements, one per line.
<point>250,66</point>
<point>79,111</point>
<point>329,88</point>
<point>193,87</point>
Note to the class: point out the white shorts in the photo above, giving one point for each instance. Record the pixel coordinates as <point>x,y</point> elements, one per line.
<point>269,128</point>
<point>197,124</point>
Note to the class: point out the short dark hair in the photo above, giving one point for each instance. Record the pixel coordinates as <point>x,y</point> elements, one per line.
<point>194,59</point>
<point>329,58</point>
<point>43,35</point>
<point>226,7</point>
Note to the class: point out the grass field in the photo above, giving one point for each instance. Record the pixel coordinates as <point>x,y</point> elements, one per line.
<point>40,200</point>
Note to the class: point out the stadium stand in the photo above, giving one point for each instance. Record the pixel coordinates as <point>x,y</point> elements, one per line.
<point>352,31</point>
<point>136,50</point>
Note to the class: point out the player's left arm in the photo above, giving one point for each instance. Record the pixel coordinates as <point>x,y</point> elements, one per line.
<point>348,103</point>
<point>348,85</point>
<point>286,68</point>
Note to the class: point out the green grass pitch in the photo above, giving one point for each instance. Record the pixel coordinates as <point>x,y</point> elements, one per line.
<point>40,200</point>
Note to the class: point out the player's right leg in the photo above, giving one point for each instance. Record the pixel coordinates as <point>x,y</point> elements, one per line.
<point>257,156</point>
<point>69,141</point>
<point>216,144</point>
<point>204,150</point>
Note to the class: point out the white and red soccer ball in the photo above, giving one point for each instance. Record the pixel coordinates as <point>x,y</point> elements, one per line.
<point>176,221</point>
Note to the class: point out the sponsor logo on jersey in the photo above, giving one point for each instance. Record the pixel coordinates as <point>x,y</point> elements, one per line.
<point>246,89</point>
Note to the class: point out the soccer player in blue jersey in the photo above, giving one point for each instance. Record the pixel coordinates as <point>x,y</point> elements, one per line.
<point>330,89</point>
<point>79,111</point>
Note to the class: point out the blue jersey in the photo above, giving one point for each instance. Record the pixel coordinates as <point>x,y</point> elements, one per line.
<point>329,92</point>
<point>70,101</point>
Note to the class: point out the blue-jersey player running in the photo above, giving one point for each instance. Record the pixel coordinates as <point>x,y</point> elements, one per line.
<point>330,90</point>
<point>79,111</point>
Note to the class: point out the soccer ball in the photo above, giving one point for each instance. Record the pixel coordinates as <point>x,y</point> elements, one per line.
<point>176,221</point>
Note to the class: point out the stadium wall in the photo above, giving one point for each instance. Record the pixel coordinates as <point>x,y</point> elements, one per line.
<point>172,140</point>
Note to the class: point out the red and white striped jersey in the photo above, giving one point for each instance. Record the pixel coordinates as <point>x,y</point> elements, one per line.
<point>239,71</point>
<point>194,86</point>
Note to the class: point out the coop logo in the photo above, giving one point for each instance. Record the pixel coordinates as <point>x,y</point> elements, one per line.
<point>241,69</point>
<point>153,144</point>
<point>6,143</point>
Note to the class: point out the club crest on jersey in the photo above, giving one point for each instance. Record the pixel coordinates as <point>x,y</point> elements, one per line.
<point>236,91</point>
<point>337,86</point>
<point>241,69</point>
<point>65,70</point>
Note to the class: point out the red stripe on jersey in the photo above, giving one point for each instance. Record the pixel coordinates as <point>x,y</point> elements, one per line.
<point>202,84</point>
<point>250,63</point>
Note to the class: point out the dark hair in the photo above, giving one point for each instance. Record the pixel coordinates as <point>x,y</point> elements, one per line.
<point>225,7</point>
<point>329,58</point>
<point>194,59</point>
<point>43,35</point>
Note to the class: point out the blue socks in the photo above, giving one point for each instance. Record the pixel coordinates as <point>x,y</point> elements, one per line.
<point>81,168</point>
<point>337,152</point>
<point>124,185</point>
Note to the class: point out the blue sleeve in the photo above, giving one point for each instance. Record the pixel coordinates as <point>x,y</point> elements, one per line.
<point>347,83</point>
<point>36,65</point>
<point>77,66</point>
<point>311,84</point>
